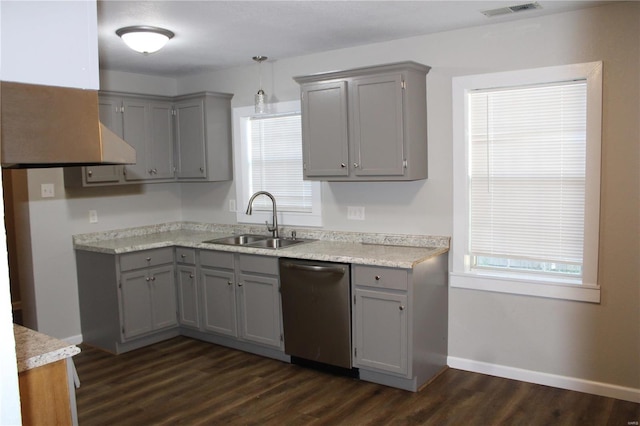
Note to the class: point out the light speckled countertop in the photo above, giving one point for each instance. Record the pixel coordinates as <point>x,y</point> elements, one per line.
<point>34,349</point>
<point>392,250</point>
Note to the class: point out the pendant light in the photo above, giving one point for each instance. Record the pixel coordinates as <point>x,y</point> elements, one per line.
<point>260,103</point>
<point>145,39</point>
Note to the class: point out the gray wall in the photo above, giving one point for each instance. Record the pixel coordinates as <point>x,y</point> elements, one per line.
<point>597,342</point>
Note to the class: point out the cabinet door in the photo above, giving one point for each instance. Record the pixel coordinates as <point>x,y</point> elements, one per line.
<point>135,133</point>
<point>381,331</point>
<point>259,300</point>
<point>188,311</point>
<point>219,296</point>
<point>110,110</point>
<point>190,140</point>
<point>163,297</point>
<point>136,304</point>
<point>324,129</point>
<point>377,140</point>
<point>160,145</point>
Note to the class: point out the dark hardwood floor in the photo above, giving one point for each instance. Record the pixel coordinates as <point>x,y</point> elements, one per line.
<point>186,381</point>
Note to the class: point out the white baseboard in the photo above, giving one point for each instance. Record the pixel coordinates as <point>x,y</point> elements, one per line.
<point>74,340</point>
<point>563,382</point>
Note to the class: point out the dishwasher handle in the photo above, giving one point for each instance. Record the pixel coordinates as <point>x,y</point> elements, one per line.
<point>315,268</point>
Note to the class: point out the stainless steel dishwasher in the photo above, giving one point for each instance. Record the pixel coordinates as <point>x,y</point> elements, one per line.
<point>316,311</point>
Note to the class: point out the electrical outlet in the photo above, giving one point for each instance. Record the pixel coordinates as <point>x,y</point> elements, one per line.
<point>47,190</point>
<point>93,216</point>
<point>355,212</point>
<point>232,205</point>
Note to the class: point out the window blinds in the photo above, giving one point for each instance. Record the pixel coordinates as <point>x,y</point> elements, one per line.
<point>275,155</point>
<point>527,173</point>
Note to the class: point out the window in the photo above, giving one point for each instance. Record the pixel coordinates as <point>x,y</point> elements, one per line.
<point>268,157</point>
<point>526,181</point>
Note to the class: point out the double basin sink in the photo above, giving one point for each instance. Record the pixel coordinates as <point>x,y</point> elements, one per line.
<point>256,241</point>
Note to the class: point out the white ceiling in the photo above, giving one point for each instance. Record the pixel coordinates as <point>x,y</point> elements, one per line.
<point>213,35</point>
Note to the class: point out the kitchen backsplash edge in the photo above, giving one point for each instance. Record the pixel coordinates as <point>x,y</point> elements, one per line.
<point>302,233</point>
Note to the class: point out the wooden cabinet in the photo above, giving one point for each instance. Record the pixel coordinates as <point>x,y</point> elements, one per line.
<point>365,124</point>
<point>202,137</point>
<point>127,301</point>
<point>187,286</point>
<point>186,139</point>
<point>241,297</point>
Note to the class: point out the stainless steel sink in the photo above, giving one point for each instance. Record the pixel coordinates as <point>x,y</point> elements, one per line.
<point>257,241</point>
<point>238,240</point>
<point>275,243</point>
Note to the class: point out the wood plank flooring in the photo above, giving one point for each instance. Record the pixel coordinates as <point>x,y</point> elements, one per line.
<point>189,382</point>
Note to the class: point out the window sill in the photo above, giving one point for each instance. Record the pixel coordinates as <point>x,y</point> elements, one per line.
<point>576,292</point>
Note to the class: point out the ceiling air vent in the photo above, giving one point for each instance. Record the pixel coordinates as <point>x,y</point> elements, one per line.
<point>511,9</point>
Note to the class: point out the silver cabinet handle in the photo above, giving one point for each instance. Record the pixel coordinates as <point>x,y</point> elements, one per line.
<point>343,165</point>
<point>148,279</point>
<point>239,284</point>
<point>229,283</point>
<point>153,278</point>
<point>355,165</point>
<point>201,169</point>
<point>148,259</point>
<point>90,173</point>
<point>401,308</point>
<point>183,256</point>
<point>190,275</point>
<point>377,277</point>
<point>315,268</point>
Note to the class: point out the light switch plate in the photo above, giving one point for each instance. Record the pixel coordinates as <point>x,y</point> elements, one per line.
<point>355,212</point>
<point>93,216</point>
<point>47,190</point>
<point>232,205</point>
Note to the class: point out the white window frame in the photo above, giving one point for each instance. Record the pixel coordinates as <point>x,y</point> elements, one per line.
<point>241,115</point>
<point>462,276</point>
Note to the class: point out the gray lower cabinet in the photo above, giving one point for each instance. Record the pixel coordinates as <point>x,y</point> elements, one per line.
<point>187,287</point>
<point>365,124</point>
<point>127,301</point>
<point>399,320</point>
<point>241,297</point>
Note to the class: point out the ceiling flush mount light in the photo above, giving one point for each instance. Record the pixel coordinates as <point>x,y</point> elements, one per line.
<point>145,39</point>
<point>260,96</point>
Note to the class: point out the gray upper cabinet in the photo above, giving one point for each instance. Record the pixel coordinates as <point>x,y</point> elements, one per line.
<point>186,139</point>
<point>365,124</point>
<point>203,137</point>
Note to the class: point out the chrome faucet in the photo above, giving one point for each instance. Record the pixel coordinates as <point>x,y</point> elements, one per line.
<point>274,228</point>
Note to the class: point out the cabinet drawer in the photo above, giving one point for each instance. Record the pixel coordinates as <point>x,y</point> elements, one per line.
<point>373,276</point>
<point>186,255</point>
<point>216,259</point>
<point>259,264</point>
<point>142,259</point>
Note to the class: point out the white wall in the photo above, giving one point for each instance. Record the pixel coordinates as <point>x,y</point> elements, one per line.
<point>593,342</point>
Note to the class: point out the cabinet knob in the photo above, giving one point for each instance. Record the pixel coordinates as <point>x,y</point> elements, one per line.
<point>343,165</point>
<point>147,279</point>
<point>201,169</point>
<point>190,275</point>
<point>154,171</point>
<point>183,256</point>
<point>401,307</point>
<point>239,284</point>
<point>229,283</point>
<point>355,165</point>
<point>377,277</point>
<point>148,259</point>
<point>153,278</point>
<point>90,173</point>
